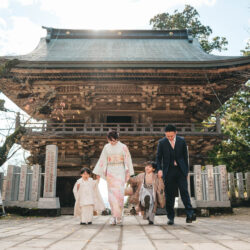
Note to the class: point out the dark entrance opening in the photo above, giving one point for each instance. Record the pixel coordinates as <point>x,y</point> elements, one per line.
<point>119,119</point>
<point>64,190</point>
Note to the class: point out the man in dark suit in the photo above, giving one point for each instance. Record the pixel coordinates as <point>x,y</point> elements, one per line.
<point>172,165</point>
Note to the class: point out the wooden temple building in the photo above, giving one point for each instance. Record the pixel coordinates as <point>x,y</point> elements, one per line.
<point>80,83</point>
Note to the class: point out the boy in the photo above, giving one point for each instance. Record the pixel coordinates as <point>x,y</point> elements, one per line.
<point>149,192</point>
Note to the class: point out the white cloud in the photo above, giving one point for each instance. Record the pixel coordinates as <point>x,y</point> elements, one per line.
<point>27,2</point>
<point>2,23</point>
<point>4,4</point>
<point>111,14</point>
<point>21,38</point>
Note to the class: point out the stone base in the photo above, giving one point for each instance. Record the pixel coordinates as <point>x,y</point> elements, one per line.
<point>23,204</point>
<point>240,203</point>
<point>179,204</point>
<point>213,204</point>
<point>49,203</point>
<point>32,211</point>
<point>206,212</point>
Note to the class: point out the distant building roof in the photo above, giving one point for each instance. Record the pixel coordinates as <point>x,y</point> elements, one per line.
<point>120,47</point>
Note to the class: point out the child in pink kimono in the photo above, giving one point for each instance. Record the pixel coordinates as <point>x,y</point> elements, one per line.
<point>87,197</point>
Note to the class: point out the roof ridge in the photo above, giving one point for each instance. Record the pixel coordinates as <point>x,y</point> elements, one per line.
<point>54,33</point>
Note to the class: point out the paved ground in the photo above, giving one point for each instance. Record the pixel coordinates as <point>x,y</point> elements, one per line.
<point>223,232</point>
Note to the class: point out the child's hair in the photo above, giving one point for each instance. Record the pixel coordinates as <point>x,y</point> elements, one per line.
<point>87,170</point>
<point>113,135</point>
<point>152,164</point>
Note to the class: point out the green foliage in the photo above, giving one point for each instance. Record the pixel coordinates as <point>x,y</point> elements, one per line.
<point>189,19</point>
<point>234,152</point>
<point>246,51</point>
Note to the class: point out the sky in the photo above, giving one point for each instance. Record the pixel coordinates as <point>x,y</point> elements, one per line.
<point>21,20</point>
<point>21,24</point>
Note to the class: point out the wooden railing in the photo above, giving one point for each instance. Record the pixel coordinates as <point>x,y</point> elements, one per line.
<point>122,128</point>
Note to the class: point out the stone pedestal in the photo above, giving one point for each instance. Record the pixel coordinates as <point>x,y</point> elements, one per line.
<point>49,203</point>
<point>22,183</point>
<point>35,189</point>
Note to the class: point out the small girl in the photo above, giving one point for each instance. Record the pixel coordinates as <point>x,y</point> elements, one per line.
<point>148,192</point>
<point>87,197</point>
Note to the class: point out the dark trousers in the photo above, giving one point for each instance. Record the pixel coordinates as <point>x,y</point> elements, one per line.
<point>176,179</point>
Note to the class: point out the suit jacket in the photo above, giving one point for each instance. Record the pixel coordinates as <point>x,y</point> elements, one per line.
<point>163,158</point>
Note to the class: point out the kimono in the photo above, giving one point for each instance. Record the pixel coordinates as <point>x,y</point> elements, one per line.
<point>155,191</point>
<point>115,165</point>
<point>88,199</point>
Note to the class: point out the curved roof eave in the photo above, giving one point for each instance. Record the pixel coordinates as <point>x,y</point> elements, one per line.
<point>231,62</point>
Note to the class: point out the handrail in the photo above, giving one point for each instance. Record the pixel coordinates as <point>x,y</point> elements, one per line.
<point>122,128</point>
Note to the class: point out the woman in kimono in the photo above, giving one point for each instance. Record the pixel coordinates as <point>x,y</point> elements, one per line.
<point>115,166</point>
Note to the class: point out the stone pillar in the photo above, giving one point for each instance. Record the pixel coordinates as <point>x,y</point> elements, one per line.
<point>240,185</point>
<point>15,183</point>
<point>223,183</point>
<point>28,184</point>
<point>1,181</point>
<point>35,189</point>
<point>9,180</point>
<point>197,182</point>
<point>247,177</point>
<point>49,200</point>
<point>50,171</point>
<point>1,187</point>
<point>22,183</point>
<point>231,186</point>
<point>217,184</point>
<point>210,183</point>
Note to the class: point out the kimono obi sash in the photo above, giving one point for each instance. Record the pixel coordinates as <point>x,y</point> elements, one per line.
<point>115,160</point>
